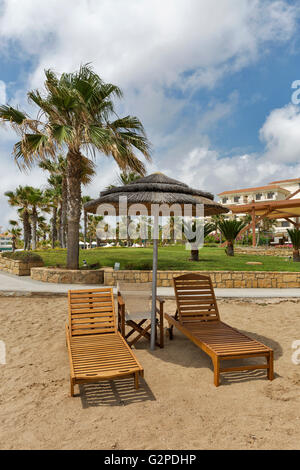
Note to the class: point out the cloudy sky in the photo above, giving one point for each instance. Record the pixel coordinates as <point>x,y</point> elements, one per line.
<point>211,81</point>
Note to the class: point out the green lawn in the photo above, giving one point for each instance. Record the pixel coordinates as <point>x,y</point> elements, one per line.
<point>172,258</point>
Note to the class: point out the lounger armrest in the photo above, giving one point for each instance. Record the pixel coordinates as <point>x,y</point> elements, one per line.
<point>160,306</point>
<point>120,300</point>
<point>68,338</point>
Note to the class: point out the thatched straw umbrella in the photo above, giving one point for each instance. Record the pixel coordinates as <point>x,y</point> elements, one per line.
<point>156,189</point>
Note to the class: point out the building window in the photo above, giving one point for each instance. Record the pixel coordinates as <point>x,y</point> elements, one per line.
<point>258,196</point>
<point>236,199</point>
<point>270,195</point>
<point>285,223</point>
<point>224,200</point>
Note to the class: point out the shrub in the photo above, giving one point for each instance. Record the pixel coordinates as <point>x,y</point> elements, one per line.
<point>212,238</point>
<point>26,256</point>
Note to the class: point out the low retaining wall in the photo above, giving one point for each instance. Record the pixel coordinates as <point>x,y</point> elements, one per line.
<point>221,279</point>
<point>68,276</point>
<point>263,251</point>
<point>20,268</point>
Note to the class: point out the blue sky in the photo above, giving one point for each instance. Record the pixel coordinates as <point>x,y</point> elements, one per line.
<point>210,80</point>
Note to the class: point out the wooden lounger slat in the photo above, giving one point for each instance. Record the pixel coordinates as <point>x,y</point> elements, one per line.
<point>91,331</point>
<point>88,325</point>
<point>97,351</point>
<point>199,320</point>
<point>101,299</point>
<point>89,309</point>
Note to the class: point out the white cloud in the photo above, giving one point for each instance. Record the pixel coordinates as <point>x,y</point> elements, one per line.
<point>205,168</point>
<point>281,134</point>
<point>148,48</point>
<point>142,42</point>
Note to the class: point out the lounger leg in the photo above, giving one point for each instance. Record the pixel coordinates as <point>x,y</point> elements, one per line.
<point>72,387</point>
<point>136,380</point>
<point>216,363</point>
<point>270,366</point>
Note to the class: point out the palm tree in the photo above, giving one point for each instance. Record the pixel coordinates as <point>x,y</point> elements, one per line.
<point>75,112</point>
<point>20,199</point>
<point>193,233</point>
<point>36,201</point>
<point>215,220</point>
<point>53,195</point>
<point>57,169</point>
<point>230,230</point>
<point>58,180</point>
<point>43,228</point>
<point>15,232</point>
<point>92,223</point>
<point>294,235</point>
<point>125,177</point>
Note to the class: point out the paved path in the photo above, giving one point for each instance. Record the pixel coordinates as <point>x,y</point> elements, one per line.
<point>24,285</point>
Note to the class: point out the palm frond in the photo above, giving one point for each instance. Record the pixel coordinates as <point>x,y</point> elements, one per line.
<point>12,115</point>
<point>231,228</point>
<point>31,148</point>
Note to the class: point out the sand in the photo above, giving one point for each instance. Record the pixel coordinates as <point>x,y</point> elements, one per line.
<point>177,407</point>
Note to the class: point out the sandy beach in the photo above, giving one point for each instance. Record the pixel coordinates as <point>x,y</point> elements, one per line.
<point>177,406</point>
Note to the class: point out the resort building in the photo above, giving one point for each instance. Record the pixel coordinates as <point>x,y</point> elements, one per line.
<point>274,191</point>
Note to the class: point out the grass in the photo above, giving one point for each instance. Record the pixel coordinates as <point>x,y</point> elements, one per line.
<point>172,258</point>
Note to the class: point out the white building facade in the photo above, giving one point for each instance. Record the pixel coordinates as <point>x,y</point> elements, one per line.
<point>274,191</point>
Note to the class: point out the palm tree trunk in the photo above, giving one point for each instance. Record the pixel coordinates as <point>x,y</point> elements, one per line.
<point>84,227</point>
<point>194,255</point>
<point>34,223</point>
<point>128,236</point>
<point>296,256</point>
<point>64,204</point>
<point>59,232</point>
<point>230,249</point>
<point>54,229</point>
<point>29,235</point>
<point>74,208</point>
<point>13,243</point>
<point>26,229</point>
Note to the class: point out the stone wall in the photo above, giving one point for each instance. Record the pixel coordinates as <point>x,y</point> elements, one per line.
<point>265,251</point>
<point>18,267</point>
<point>68,276</point>
<point>221,279</point>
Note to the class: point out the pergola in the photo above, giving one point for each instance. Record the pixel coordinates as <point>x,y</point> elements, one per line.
<point>285,209</point>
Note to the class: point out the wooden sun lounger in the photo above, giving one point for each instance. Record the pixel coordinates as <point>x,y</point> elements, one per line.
<point>197,317</point>
<point>97,351</point>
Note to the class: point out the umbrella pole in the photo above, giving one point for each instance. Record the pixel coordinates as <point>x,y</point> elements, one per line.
<point>154,283</point>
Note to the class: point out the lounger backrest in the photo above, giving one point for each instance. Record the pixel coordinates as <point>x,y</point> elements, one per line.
<point>195,298</point>
<point>91,311</point>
